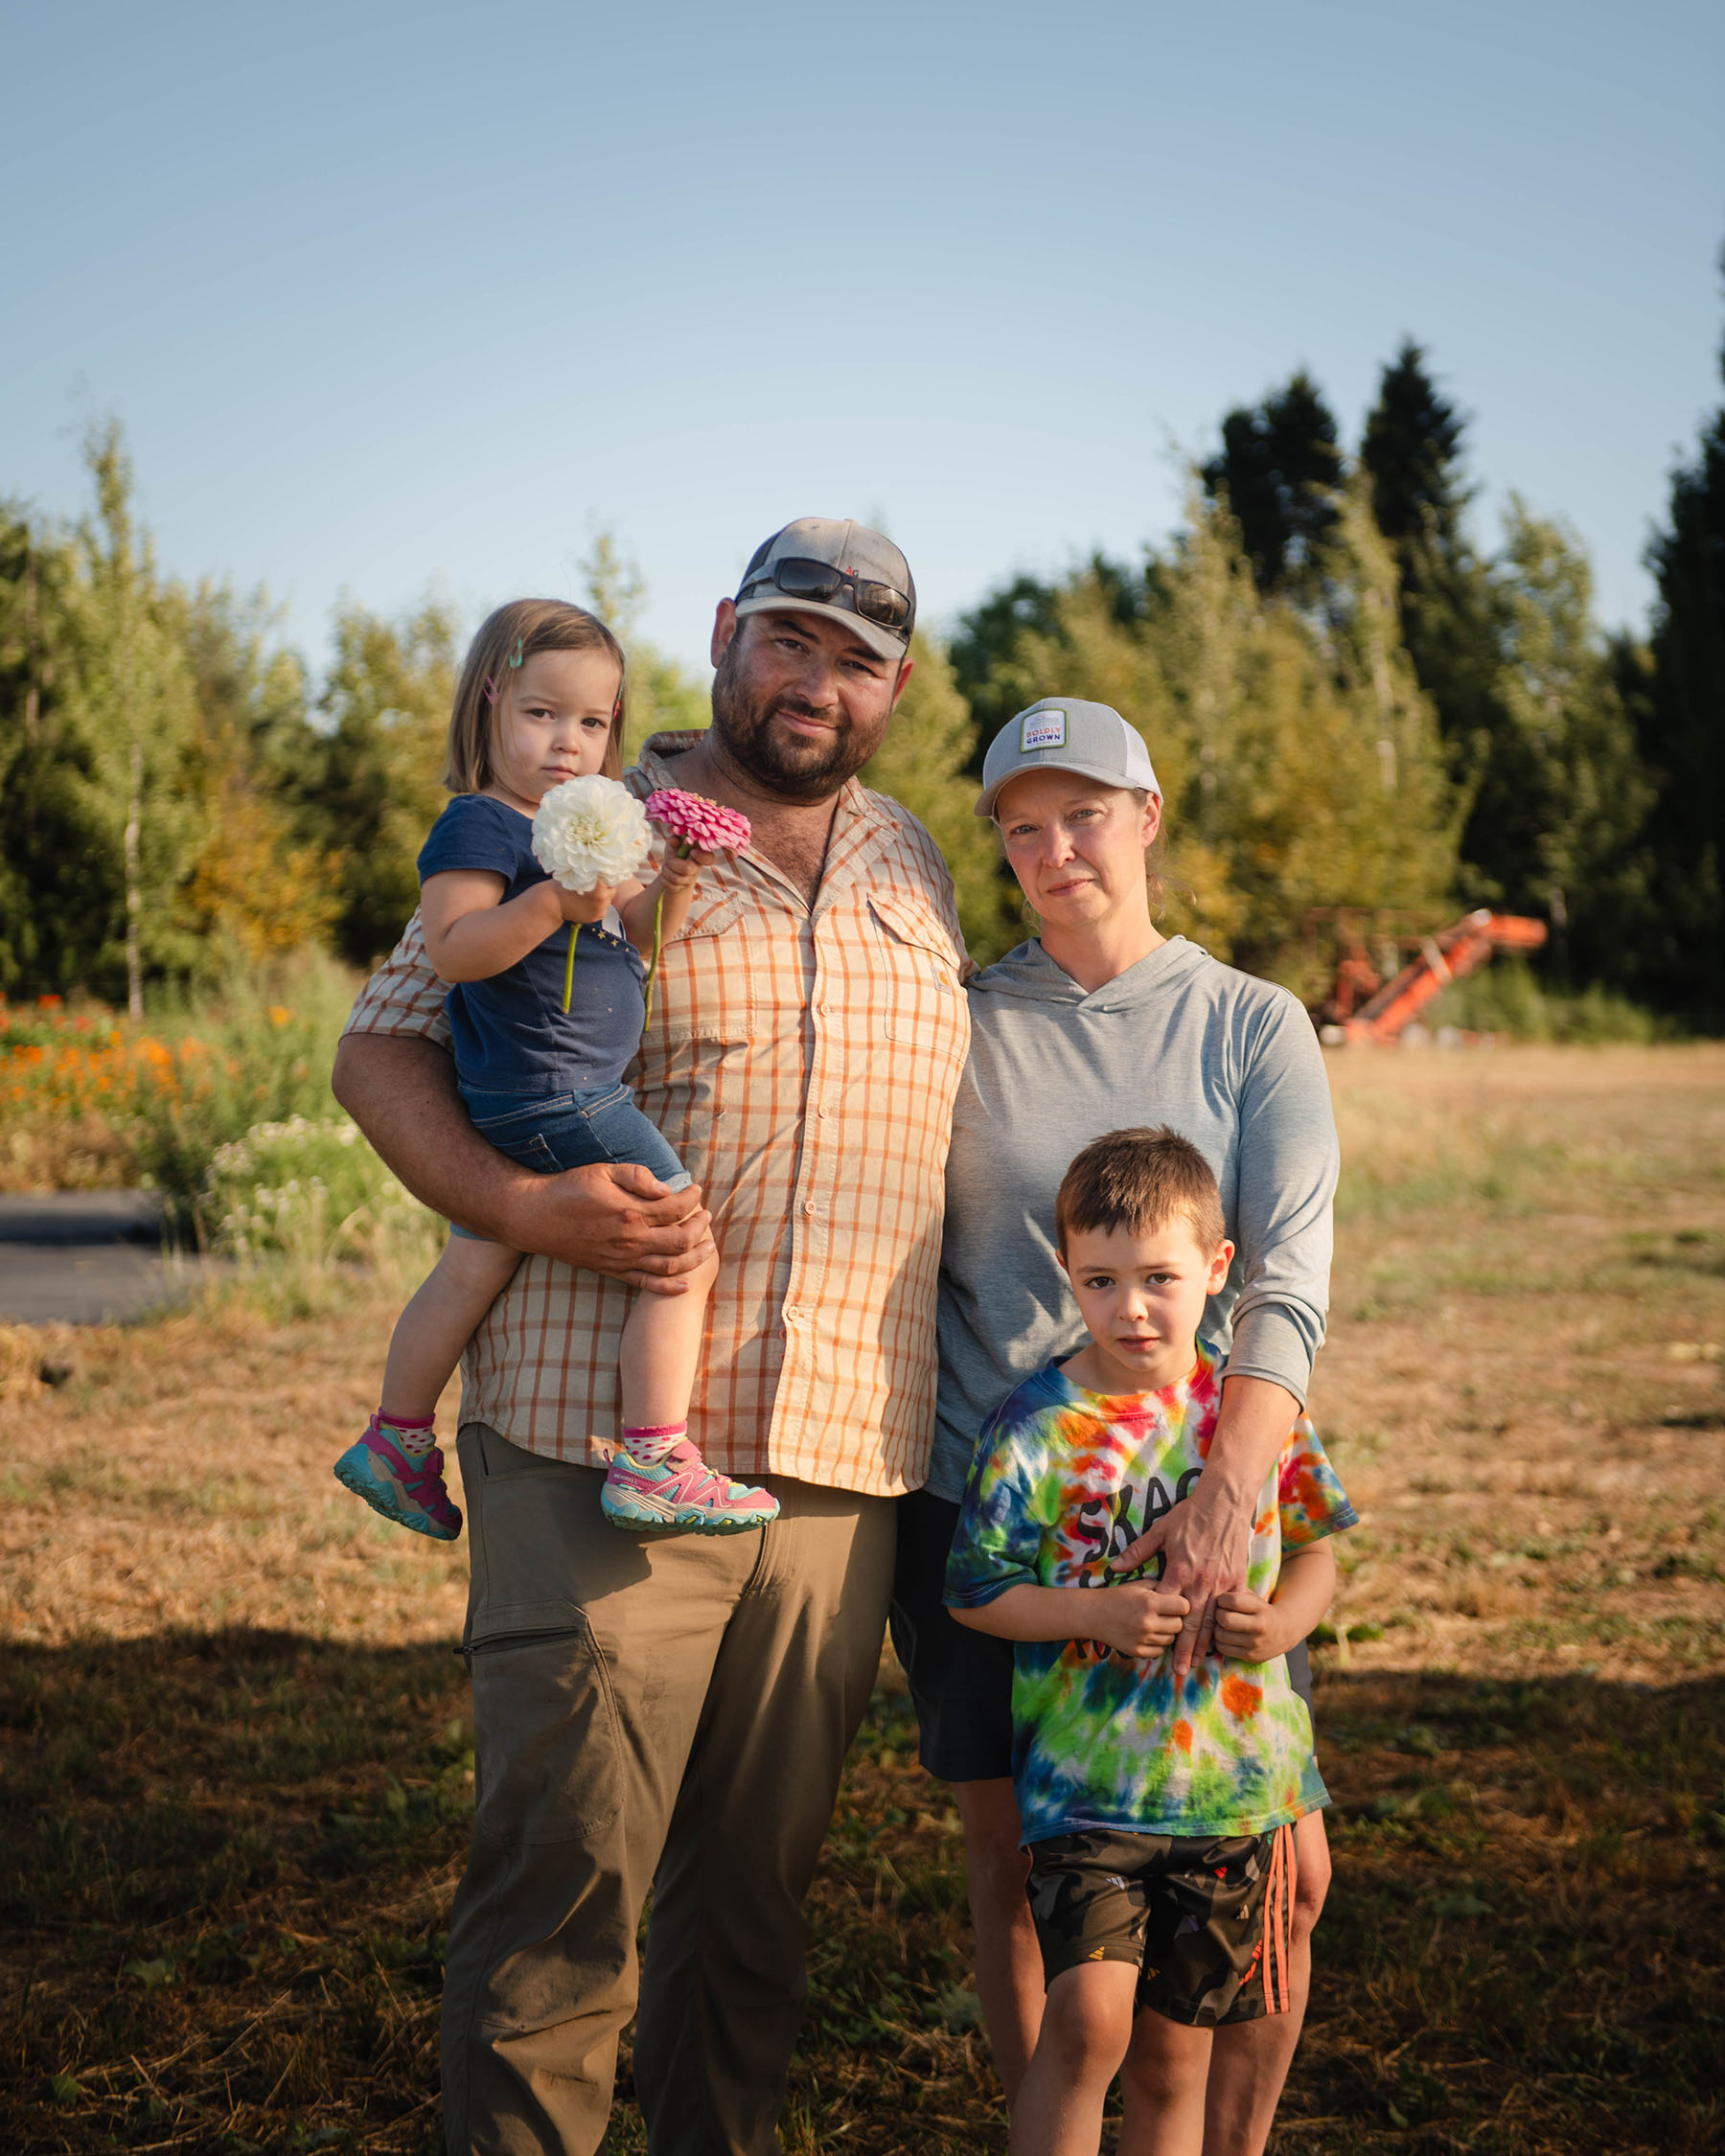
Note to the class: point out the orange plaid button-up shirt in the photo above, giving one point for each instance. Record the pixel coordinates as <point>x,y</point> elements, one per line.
<point>803,1064</point>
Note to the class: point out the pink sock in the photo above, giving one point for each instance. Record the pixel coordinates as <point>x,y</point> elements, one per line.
<point>648,1443</point>
<point>412,1431</point>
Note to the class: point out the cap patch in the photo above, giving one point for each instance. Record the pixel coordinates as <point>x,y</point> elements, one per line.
<point>1042,729</point>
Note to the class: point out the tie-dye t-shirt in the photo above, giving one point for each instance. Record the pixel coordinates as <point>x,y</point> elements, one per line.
<point>1063,1480</point>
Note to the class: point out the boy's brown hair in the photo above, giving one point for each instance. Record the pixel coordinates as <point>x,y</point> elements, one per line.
<point>1140,1180</point>
<point>506,639</point>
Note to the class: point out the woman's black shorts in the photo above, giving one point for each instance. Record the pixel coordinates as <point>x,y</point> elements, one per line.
<point>961,1679</point>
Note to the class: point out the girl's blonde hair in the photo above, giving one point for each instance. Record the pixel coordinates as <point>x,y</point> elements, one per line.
<point>506,639</point>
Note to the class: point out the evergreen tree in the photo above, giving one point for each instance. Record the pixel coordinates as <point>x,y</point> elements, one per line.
<point>1279,465</point>
<point>1683,739</point>
<point>1412,451</point>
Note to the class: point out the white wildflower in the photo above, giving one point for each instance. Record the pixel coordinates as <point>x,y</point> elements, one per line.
<point>590,830</point>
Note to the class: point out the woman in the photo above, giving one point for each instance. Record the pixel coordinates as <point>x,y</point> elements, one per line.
<point>1099,1023</point>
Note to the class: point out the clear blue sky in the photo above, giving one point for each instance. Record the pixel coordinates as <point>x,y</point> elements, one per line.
<point>387,295</point>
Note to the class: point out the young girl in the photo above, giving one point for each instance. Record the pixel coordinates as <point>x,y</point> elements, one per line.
<point>540,700</point>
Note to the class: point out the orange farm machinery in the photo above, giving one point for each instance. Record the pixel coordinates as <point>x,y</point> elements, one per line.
<point>1362,1004</point>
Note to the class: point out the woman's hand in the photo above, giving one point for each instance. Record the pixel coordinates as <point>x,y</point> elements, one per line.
<point>1207,1540</point>
<point>1134,1619</point>
<point>1205,1547</point>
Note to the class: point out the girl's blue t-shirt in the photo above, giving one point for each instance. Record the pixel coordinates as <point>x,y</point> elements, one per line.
<point>511,1034</point>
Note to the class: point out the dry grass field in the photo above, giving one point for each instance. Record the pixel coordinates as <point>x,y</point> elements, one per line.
<point>234,1769</point>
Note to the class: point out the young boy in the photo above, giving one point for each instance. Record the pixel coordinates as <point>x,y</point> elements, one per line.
<point>1157,1820</point>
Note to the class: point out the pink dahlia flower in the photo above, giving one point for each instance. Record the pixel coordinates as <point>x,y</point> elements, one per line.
<point>693,820</point>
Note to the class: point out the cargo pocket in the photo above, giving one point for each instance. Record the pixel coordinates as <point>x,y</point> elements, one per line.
<point>553,1746</point>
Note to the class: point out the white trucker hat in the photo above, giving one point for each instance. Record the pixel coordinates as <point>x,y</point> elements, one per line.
<point>1067,734</point>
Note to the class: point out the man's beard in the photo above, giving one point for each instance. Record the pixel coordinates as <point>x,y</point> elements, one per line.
<point>795,771</point>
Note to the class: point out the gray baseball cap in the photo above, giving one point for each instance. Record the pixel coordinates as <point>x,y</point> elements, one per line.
<point>826,565</point>
<point>1067,734</point>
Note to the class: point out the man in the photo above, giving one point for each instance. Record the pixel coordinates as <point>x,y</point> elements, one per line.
<point>675,1711</point>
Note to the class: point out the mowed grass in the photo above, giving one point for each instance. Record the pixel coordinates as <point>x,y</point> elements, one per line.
<point>236,1767</point>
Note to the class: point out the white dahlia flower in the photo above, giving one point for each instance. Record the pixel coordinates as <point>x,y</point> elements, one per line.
<point>590,831</point>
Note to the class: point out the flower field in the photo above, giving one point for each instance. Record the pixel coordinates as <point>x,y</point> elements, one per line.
<point>222,1105</point>
<point>57,1065</point>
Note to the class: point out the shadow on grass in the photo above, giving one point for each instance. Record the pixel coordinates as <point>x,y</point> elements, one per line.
<point>227,1863</point>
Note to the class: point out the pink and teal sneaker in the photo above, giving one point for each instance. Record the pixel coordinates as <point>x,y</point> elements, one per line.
<point>404,1489</point>
<point>681,1493</point>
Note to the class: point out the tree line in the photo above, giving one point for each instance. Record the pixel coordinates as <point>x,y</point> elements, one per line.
<point>1349,700</point>
<point>1352,704</point>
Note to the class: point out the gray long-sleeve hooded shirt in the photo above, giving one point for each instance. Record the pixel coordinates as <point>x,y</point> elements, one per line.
<point>1229,1061</point>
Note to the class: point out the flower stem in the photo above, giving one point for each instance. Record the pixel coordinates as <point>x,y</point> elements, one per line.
<point>658,928</point>
<point>569,965</point>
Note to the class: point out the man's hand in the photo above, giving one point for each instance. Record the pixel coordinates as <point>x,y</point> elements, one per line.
<point>614,1219</point>
<point>1250,1629</point>
<point>1134,1619</point>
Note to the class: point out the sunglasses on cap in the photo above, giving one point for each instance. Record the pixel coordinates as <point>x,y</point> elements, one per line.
<point>819,581</point>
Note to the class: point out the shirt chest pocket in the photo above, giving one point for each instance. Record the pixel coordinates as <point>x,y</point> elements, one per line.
<point>917,998</point>
<point>706,985</point>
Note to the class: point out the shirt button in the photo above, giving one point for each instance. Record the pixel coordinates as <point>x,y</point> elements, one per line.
<point>821,1112</point>
<point>811,1206</point>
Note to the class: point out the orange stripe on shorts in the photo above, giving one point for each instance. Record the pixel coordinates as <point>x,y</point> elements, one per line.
<point>1278,1922</point>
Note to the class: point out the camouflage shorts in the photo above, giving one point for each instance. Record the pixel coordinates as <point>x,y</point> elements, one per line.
<point>1206,1920</point>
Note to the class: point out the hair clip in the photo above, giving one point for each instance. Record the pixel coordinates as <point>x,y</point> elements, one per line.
<point>514,656</point>
<point>490,690</point>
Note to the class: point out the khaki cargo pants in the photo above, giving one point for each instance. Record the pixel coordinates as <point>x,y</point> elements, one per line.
<point>669,1712</point>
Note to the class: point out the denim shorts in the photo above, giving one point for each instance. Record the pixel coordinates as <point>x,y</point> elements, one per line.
<point>575,1130</point>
